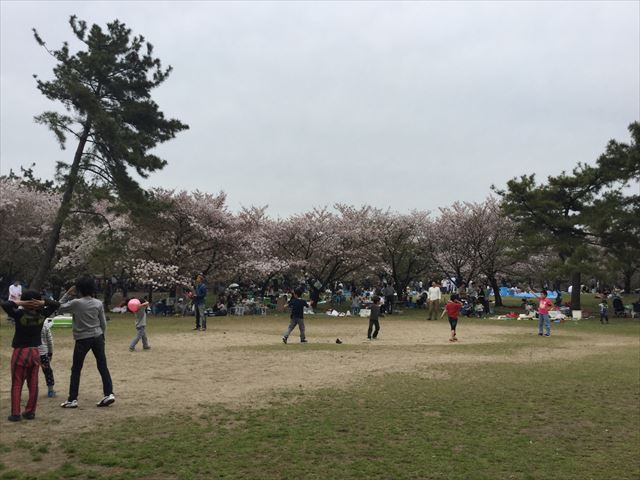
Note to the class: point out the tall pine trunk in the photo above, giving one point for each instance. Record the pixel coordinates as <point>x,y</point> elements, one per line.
<point>44,266</point>
<point>575,290</point>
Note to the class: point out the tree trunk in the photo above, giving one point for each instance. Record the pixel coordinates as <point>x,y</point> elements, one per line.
<point>575,290</point>
<point>63,212</point>
<point>627,280</point>
<point>108,295</point>
<point>496,290</point>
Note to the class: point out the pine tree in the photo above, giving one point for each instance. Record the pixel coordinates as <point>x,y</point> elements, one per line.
<point>578,214</point>
<point>106,90</point>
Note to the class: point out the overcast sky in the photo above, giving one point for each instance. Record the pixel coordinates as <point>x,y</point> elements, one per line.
<point>399,105</point>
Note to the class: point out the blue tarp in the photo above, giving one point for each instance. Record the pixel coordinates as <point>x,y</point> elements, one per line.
<point>509,292</point>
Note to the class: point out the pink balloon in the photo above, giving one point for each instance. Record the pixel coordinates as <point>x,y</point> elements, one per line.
<point>134,305</point>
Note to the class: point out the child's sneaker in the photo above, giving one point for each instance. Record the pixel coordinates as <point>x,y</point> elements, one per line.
<point>69,404</point>
<point>28,415</point>
<point>304,340</point>
<point>284,340</point>
<point>14,418</point>
<point>146,348</point>
<point>132,349</point>
<point>51,393</point>
<point>106,401</point>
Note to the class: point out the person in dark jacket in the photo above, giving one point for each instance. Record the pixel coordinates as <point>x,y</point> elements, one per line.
<point>297,306</point>
<point>29,313</point>
<point>374,318</point>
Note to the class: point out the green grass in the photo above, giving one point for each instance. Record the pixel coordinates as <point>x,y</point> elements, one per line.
<point>572,420</point>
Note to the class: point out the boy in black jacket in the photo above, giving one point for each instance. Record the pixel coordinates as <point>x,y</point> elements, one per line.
<point>25,361</point>
<point>297,306</point>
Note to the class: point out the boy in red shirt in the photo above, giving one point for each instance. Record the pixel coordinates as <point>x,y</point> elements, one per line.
<point>452,309</point>
<point>543,313</point>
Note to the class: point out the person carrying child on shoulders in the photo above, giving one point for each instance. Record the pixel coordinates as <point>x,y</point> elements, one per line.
<point>29,314</point>
<point>452,309</point>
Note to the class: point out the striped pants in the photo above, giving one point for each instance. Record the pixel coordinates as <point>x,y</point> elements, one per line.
<point>25,365</point>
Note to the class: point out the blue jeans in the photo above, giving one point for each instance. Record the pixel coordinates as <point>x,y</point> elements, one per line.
<point>543,319</point>
<point>141,334</point>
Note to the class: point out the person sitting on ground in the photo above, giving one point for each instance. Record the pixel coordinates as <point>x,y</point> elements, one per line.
<point>221,308</point>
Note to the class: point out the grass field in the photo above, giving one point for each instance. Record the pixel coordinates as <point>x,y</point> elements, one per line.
<point>234,402</point>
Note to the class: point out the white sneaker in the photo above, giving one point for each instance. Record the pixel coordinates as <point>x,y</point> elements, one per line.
<point>69,404</point>
<point>106,401</point>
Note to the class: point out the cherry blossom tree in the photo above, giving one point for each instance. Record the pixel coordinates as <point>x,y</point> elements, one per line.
<point>401,244</point>
<point>256,255</point>
<point>26,216</point>
<point>323,246</point>
<point>453,243</point>
<point>494,241</point>
<point>188,233</point>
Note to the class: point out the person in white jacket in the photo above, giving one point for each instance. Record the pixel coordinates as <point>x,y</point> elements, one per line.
<point>434,295</point>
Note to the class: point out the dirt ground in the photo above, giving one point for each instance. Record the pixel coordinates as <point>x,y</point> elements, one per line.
<point>239,366</point>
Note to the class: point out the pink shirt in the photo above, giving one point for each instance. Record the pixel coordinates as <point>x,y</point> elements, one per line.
<point>544,306</point>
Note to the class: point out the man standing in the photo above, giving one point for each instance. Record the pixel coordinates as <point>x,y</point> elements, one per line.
<point>199,303</point>
<point>434,296</point>
<point>388,292</point>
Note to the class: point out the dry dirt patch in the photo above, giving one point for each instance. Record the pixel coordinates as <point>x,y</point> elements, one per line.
<point>241,367</point>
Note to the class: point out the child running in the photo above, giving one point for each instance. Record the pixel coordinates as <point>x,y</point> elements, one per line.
<point>46,353</point>
<point>29,315</point>
<point>374,318</point>
<point>452,309</point>
<point>141,324</point>
<point>297,306</point>
<point>89,325</point>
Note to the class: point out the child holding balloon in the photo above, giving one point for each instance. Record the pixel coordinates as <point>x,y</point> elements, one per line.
<point>139,308</point>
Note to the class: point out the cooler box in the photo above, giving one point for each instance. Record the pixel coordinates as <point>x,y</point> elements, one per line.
<point>62,321</point>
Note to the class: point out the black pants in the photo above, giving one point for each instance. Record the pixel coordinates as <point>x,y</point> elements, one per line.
<point>47,370</point>
<point>372,322</point>
<point>96,345</point>
<point>388,304</point>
